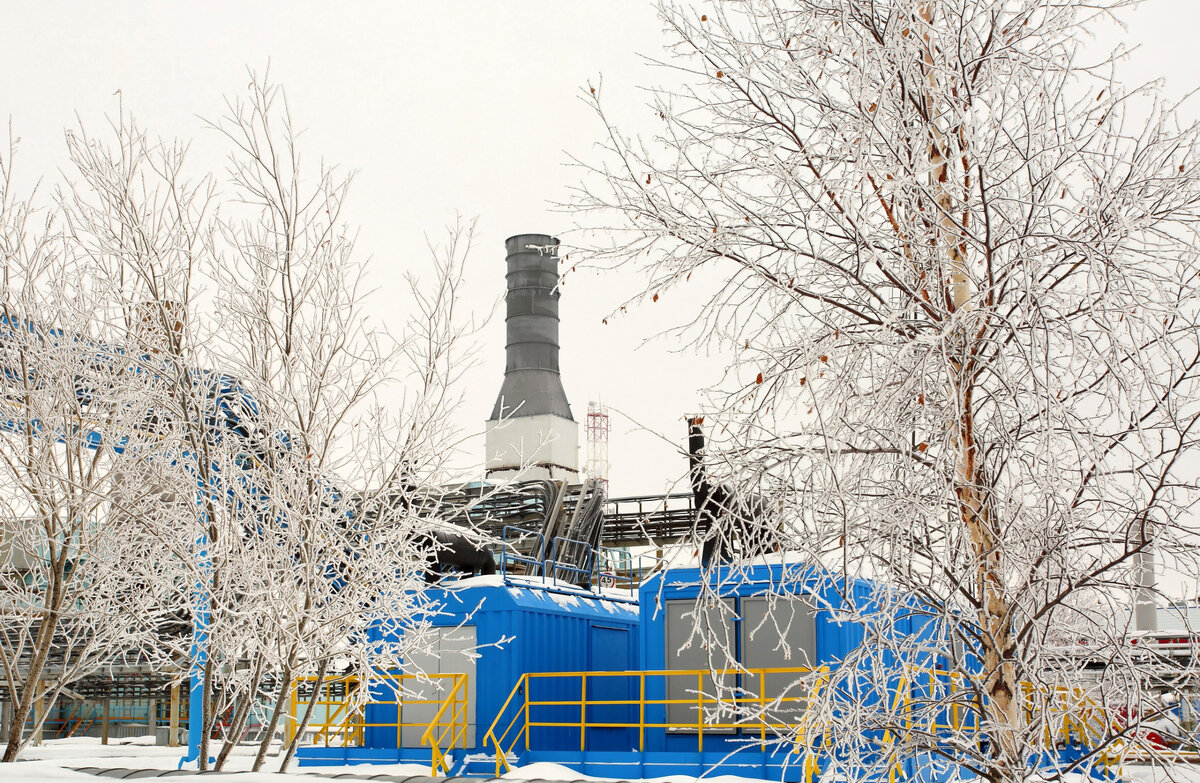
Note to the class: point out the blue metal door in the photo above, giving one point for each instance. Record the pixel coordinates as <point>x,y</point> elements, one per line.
<point>609,651</point>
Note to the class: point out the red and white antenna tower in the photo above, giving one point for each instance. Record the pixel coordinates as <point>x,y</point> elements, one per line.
<point>597,442</point>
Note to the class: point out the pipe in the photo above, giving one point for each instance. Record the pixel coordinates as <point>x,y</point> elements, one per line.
<point>711,501</point>
<point>1145,607</point>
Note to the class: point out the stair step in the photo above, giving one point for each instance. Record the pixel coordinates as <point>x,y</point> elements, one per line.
<point>478,765</point>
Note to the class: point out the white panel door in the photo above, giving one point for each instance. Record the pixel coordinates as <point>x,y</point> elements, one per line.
<point>448,654</point>
<point>779,633</point>
<point>712,647</point>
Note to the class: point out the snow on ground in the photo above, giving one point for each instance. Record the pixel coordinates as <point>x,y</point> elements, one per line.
<point>53,762</point>
<point>54,759</point>
<point>546,771</point>
<point>1180,773</point>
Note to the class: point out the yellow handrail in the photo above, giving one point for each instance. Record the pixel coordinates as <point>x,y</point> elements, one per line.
<point>352,725</point>
<point>1068,712</point>
<point>502,755</point>
<point>457,726</point>
<point>503,744</point>
<point>330,721</point>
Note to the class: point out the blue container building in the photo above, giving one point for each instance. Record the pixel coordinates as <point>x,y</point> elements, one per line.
<point>537,677</point>
<point>494,629</point>
<point>790,619</point>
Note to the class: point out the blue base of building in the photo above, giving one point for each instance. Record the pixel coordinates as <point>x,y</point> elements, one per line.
<point>780,766</point>
<point>772,765</point>
<point>317,756</point>
<point>756,764</point>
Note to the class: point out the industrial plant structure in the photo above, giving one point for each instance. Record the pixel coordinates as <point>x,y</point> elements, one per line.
<point>561,644</point>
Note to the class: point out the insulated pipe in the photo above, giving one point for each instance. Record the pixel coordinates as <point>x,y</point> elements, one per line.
<point>713,504</point>
<point>532,384</point>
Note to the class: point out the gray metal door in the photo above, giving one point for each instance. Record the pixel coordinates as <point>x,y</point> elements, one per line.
<point>713,647</point>
<point>448,654</point>
<point>778,633</point>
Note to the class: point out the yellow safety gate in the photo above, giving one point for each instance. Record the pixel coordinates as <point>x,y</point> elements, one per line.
<point>343,723</point>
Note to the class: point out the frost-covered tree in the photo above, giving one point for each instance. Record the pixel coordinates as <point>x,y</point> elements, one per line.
<point>292,285</point>
<point>265,493</point>
<point>133,212</point>
<point>956,266</point>
<point>87,573</point>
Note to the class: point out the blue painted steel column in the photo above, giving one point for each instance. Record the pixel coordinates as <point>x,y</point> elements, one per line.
<point>199,651</point>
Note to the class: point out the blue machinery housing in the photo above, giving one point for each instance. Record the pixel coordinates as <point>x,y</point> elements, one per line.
<point>606,683</point>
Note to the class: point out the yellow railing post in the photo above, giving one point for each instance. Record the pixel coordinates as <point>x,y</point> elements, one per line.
<point>901,701</point>
<point>292,711</point>
<point>434,738</point>
<point>699,712</point>
<point>642,714</point>
<point>582,710</point>
<point>803,735</point>
<point>955,720</point>
<point>762,707</point>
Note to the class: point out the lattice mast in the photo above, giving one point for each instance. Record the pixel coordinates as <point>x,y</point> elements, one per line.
<point>597,443</point>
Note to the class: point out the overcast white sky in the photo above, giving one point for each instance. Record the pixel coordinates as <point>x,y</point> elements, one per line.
<point>444,108</point>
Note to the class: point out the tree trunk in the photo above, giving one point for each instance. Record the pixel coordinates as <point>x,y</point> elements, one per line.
<point>1002,706</point>
<point>285,688</point>
<point>241,716</point>
<point>29,690</point>
<point>206,711</point>
<point>972,487</point>
<point>308,710</point>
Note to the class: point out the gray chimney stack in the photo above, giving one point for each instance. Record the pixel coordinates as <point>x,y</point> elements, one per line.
<point>531,425</point>
<point>532,384</point>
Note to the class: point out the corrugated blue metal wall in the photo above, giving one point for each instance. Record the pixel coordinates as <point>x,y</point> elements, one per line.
<point>534,629</point>
<point>918,637</point>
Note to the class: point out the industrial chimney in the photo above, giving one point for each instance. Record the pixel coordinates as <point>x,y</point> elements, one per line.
<point>531,425</point>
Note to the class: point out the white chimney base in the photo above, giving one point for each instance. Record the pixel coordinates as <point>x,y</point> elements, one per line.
<point>532,447</point>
